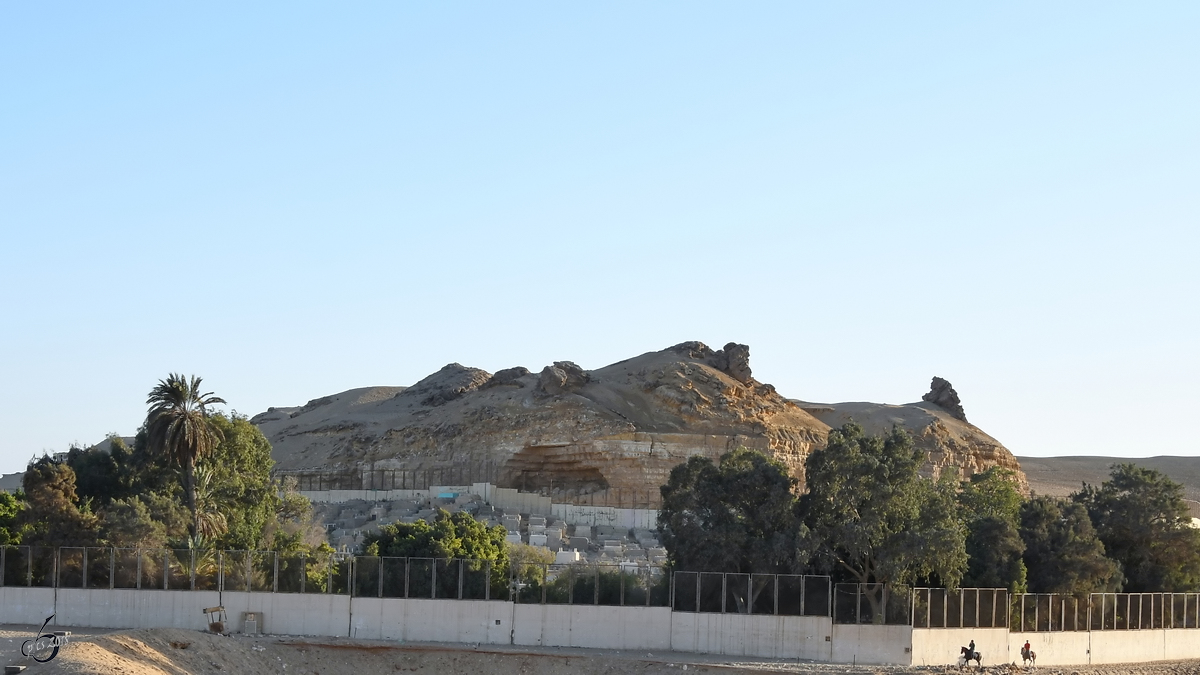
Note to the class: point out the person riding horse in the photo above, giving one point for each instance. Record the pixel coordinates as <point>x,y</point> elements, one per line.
<point>1027,654</point>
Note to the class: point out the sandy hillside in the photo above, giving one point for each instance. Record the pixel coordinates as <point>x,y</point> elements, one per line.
<point>175,652</point>
<point>1060,476</point>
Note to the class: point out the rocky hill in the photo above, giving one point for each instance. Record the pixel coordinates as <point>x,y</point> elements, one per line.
<point>571,433</point>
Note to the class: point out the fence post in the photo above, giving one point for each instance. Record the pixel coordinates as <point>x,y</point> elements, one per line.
<point>545,576</point>
<point>3,567</point>
<point>166,567</point>
<point>249,558</point>
<point>649,585</point>
<point>407,563</point>
<point>596,587</point>
<point>139,568</point>
<point>776,590</point>
<point>487,580</point>
<point>85,568</point>
<point>621,577</point>
<point>749,593</point>
<point>275,573</point>
<point>433,579</point>
<point>381,576</point>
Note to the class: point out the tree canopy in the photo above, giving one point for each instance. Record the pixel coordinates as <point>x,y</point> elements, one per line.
<point>1141,517</point>
<point>875,518</point>
<point>178,427</point>
<point>737,516</point>
<point>1062,552</point>
<point>991,508</point>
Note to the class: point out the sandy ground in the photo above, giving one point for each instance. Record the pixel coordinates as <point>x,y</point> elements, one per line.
<point>171,651</point>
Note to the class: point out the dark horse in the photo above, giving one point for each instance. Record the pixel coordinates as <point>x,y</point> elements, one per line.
<point>965,656</point>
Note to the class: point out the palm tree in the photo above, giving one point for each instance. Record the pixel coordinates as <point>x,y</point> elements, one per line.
<point>178,427</point>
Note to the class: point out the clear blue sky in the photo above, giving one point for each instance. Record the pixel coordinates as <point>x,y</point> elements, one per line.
<point>296,199</point>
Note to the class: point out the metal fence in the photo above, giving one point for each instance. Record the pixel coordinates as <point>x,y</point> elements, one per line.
<point>730,593</point>
<point>393,479</point>
<point>871,603</point>
<point>463,475</point>
<point>1044,612</point>
<point>961,608</point>
<point>337,573</point>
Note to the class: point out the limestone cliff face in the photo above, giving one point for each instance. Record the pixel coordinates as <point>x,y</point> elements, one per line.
<point>573,433</point>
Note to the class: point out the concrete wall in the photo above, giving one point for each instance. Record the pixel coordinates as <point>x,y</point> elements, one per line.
<point>291,613</point>
<point>1054,649</point>
<point>1181,643</point>
<point>129,608</point>
<point>875,645</point>
<point>636,628</point>
<point>23,605</point>
<point>470,621</point>
<point>604,515</point>
<point>772,637</point>
<point>505,498</point>
<point>642,628</point>
<point>942,646</point>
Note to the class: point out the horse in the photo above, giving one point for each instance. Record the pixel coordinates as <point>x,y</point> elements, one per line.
<point>1028,657</point>
<point>965,656</point>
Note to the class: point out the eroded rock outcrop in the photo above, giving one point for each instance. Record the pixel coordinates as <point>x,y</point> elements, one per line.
<point>943,396</point>
<point>574,433</point>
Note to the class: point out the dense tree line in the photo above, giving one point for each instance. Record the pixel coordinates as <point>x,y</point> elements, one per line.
<point>193,478</point>
<point>868,516</point>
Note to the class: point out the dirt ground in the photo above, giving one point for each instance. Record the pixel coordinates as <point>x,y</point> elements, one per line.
<point>173,652</point>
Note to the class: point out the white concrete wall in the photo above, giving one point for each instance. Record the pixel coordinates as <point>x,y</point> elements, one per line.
<point>782,637</point>
<point>507,499</point>
<point>129,608</point>
<point>1181,643</point>
<point>870,644</point>
<point>605,515</point>
<point>1054,649</point>
<point>469,621</point>
<point>598,627</point>
<point>1119,646</point>
<point>942,646</point>
<point>19,604</point>
<point>290,613</point>
<point>640,628</point>
<point>342,496</point>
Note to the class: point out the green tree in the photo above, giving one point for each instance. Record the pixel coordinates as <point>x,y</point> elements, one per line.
<point>103,475</point>
<point>10,511</point>
<point>178,426</point>
<point>737,516</point>
<point>456,535</point>
<point>874,518</point>
<point>236,500</point>
<point>55,516</point>
<point>991,509</point>
<point>1141,517</point>
<point>128,523</point>
<point>1062,552</point>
